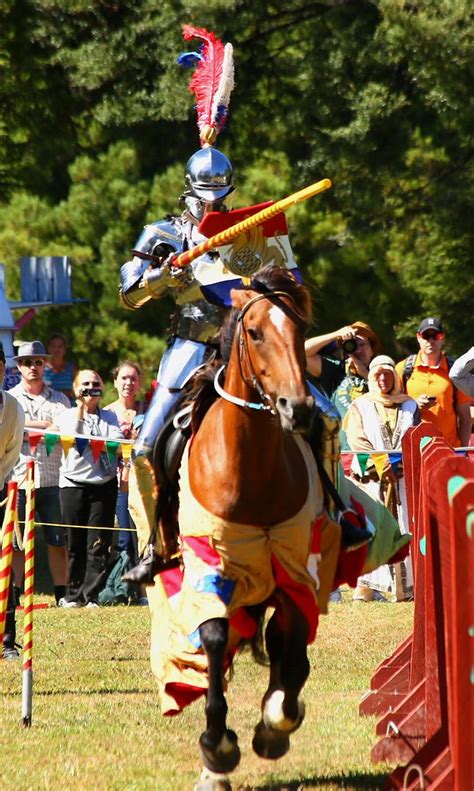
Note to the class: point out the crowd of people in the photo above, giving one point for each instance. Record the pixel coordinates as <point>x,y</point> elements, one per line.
<point>80,499</point>
<point>378,401</point>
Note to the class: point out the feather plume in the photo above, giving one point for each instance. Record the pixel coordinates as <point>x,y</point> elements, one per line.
<point>211,83</point>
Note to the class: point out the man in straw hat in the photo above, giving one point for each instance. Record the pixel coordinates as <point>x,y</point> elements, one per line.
<point>41,406</point>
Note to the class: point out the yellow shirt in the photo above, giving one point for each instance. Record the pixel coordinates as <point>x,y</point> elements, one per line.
<point>436,382</point>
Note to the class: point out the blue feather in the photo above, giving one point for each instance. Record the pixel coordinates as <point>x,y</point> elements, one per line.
<point>188,59</point>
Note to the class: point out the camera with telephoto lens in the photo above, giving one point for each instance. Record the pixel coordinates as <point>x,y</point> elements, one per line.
<point>90,391</point>
<point>349,346</point>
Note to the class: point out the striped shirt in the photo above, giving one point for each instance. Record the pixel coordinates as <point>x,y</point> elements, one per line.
<point>48,405</point>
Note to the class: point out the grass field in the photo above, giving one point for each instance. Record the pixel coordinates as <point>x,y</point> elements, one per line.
<point>97,725</point>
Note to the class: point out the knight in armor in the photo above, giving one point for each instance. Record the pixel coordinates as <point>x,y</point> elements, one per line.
<point>196,321</point>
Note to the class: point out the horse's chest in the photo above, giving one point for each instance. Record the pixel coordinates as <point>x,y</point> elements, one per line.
<point>263,490</point>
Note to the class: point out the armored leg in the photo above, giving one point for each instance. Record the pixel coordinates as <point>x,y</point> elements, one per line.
<point>143,489</point>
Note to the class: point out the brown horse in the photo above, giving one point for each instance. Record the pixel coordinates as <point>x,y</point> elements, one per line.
<point>257,481</point>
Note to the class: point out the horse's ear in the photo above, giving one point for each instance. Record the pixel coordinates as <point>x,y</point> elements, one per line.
<point>239,297</point>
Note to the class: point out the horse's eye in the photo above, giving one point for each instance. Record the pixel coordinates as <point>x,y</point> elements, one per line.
<point>256,335</point>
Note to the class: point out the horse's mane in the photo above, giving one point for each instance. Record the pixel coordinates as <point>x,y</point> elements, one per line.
<point>268,279</point>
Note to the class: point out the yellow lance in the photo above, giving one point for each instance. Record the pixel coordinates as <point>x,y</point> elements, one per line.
<point>224,237</point>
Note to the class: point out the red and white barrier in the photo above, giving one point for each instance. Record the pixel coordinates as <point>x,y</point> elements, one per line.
<point>424,692</point>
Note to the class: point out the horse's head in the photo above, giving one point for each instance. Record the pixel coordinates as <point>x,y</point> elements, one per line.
<point>273,313</point>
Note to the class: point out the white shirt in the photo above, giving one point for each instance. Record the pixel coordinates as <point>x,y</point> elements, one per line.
<point>77,469</point>
<point>48,405</point>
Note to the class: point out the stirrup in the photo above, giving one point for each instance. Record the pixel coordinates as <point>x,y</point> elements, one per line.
<point>149,564</point>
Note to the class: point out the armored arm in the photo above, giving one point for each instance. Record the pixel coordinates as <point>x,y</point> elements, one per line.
<point>142,281</point>
<point>148,276</point>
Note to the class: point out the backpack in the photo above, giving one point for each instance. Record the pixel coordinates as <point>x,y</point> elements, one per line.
<point>409,366</point>
<point>116,591</point>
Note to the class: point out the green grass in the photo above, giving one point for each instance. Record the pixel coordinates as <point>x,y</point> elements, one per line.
<point>97,724</point>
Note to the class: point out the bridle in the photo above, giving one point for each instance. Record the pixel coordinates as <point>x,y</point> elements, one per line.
<point>265,404</point>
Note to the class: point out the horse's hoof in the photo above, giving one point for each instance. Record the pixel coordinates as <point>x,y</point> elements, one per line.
<point>223,757</point>
<point>274,716</point>
<point>210,781</point>
<point>268,743</point>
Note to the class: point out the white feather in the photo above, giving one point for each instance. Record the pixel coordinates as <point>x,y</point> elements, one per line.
<point>226,82</point>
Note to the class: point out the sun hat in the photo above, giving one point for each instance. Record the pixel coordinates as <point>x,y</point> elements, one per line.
<point>31,349</point>
<point>382,361</point>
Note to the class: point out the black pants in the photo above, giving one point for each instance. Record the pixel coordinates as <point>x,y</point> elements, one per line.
<point>89,550</point>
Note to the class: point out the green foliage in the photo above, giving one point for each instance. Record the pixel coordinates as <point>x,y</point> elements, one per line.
<point>98,124</point>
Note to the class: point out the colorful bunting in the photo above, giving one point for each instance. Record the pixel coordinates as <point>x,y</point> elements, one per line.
<point>34,441</point>
<point>380,462</point>
<point>67,443</point>
<point>50,441</point>
<point>395,461</point>
<point>112,448</point>
<point>97,446</point>
<point>363,458</point>
<point>126,452</point>
<point>81,444</point>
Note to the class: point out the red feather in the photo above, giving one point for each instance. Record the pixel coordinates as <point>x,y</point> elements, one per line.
<point>205,80</point>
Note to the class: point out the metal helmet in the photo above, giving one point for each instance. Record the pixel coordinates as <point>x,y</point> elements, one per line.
<point>209,175</point>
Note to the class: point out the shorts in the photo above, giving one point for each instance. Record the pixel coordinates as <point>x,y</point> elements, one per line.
<point>47,509</point>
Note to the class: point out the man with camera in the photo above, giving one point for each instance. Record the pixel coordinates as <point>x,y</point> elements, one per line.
<point>41,406</point>
<point>343,377</point>
<point>425,377</point>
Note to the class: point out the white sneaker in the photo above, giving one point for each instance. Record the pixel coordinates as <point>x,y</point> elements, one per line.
<point>69,605</point>
<point>335,597</point>
<point>91,604</point>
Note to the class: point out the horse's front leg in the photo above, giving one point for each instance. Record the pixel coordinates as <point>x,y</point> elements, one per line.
<point>282,709</point>
<point>219,748</point>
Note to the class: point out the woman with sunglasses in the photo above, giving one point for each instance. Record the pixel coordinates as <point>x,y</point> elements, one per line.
<point>88,492</point>
<point>425,377</point>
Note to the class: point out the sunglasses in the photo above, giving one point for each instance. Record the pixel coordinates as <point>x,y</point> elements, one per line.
<point>432,336</point>
<point>91,384</point>
<point>28,362</point>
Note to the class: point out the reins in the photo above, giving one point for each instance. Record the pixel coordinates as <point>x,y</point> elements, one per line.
<point>252,381</point>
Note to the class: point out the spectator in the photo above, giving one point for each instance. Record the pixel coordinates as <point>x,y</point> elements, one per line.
<point>127,382</point>
<point>12,421</point>
<point>374,422</point>
<point>59,372</point>
<point>88,492</point>
<point>41,406</point>
<point>343,379</point>
<point>425,377</point>
<point>462,373</point>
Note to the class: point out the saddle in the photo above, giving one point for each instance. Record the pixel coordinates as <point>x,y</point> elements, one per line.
<point>169,446</point>
<point>166,459</point>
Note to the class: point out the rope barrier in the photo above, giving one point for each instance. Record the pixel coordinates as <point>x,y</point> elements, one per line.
<point>83,527</point>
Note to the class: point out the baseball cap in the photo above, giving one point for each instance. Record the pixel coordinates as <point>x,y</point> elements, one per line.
<point>431,323</point>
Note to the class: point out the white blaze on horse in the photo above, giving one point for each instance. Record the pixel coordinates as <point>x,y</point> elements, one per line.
<point>249,497</point>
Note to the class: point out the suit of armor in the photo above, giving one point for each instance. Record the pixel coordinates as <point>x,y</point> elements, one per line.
<point>195,325</point>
